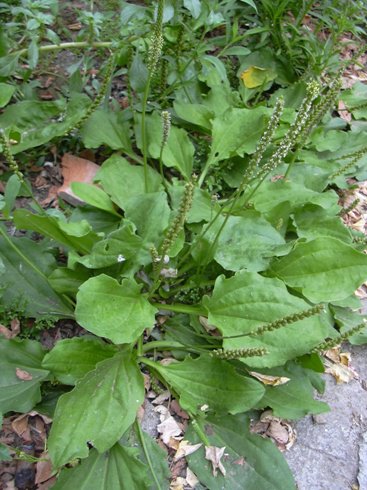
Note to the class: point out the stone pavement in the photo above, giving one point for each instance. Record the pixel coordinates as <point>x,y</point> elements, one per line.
<point>331,449</point>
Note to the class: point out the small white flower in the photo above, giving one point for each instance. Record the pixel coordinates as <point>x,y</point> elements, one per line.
<point>120,258</point>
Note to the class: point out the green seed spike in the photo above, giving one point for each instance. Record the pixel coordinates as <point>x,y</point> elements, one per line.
<point>228,354</point>
<point>282,322</point>
<point>350,208</point>
<point>329,344</point>
<point>156,43</point>
<point>178,223</point>
<point>13,165</point>
<point>97,101</point>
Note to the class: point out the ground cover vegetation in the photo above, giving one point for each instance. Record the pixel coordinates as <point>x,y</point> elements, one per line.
<point>210,252</point>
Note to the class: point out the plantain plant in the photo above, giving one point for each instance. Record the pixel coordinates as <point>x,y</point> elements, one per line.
<point>230,256</point>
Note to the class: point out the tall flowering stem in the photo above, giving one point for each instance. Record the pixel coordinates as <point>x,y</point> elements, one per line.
<point>154,52</point>
<point>172,233</point>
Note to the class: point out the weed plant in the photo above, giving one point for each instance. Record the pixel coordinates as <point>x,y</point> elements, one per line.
<point>253,280</point>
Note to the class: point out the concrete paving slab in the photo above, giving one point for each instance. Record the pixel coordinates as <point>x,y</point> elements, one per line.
<point>331,449</point>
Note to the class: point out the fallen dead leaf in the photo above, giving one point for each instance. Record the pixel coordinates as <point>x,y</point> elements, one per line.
<point>341,373</point>
<point>191,478</point>
<point>184,449</point>
<point>277,429</point>
<point>161,398</point>
<point>75,169</point>
<point>344,112</point>
<point>270,380</point>
<point>175,407</point>
<point>6,332</point>
<point>214,455</point>
<point>23,375</point>
<point>169,428</point>
<point>43,469</point>
<point>178,484</point>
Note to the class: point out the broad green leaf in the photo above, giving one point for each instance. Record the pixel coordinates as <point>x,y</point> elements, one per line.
<point>347,319</point>
<point>312,222</point>
<point>12,189</point>
<point>251,462</point>
<point>71,359</point>
<point>271,193</point>
<point>245,242</point>
<point>158,459</point>
<point>67,281</point>
<point>254,76</point>
<point>25,284</point>
<point>106,128</point>
<point>94,196</point>
<point>8,64</point>
<point>324,269</point>
<point>116,311</point>
<point>78,236</point>
<point>119,468</point>
<point>138,74</point>
<point>237,132</point>
<point>37,122</point>
<point>237,51</point>
<point>194,6</point>
<point>212,382</point>
<point>246,301</point>
<point>294,399</point>
<point>196,114</point>
<point>178,152</point>
<point>122,180</point>
<point>150,213</point>
<point>355,99</point>
<point>19,395</point>
<point>119,246</point>
<point>100,221</point>
<point>251,3</point>
<point>100,408</point>
<point>4,453</point>
<point>6,93</point>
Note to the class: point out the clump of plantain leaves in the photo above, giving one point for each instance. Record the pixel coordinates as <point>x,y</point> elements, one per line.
<point>255,273</point>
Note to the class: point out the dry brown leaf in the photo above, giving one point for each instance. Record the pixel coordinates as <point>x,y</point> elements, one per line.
<point>175,407</point>
<point>169,428</point>
<point>341,373</point>
<point>23,375</point>
<point>214,455</point>
<point>279,430</point>
<point>344,112</point>
<point>191,478</point>
<point>75,169</point>
<point>185,448</point>
<point>161,398</point>
<point>5,332</point>
<point>178,484</point>
<point>333,354</point>
<point>241,461</point>
<point>270,380</point>
<point>43,469</point>
<point>205,323</point>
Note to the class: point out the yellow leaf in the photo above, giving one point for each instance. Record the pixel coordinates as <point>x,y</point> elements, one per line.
<point>270,380</point>
<point>254,76</point>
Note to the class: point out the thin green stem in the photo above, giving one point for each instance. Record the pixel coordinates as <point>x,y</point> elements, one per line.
<point>146,454</point>
<point>291,163</point>
<point>178,308</point>
<point>144,145</point>
<point>200,431</point>
<point>70,45</point>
